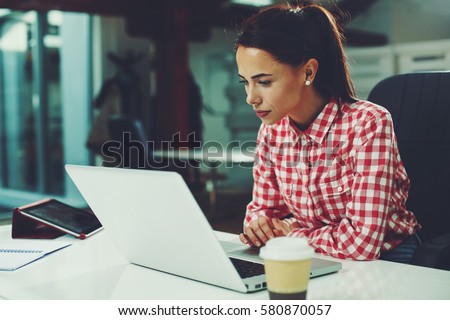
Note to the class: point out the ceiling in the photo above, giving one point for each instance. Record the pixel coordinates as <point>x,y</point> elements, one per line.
<point>154,18</point>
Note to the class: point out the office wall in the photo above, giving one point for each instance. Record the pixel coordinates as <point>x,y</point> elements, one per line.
<point>212,78</point>
<point>407,20</point>
<point>231,122</point>
<point>378,18</point>
<point>418,20</point>
<point>109,35</point>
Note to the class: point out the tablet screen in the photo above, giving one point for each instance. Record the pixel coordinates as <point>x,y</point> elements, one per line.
<point>65,216</point>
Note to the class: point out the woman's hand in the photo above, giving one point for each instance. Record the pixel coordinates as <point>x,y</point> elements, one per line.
<point>285,226</point>
<point>262,230</point>
<point>258,232</point>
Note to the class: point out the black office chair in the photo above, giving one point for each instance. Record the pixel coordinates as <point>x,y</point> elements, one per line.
<point>420,107</point>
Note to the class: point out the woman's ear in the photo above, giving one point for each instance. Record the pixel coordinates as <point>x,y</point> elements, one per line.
<point>311,66</point>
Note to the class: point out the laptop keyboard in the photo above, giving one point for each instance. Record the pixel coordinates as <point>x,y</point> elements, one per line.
<point>247,269</point>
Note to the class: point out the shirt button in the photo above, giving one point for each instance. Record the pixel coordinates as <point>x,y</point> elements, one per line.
<point>339,189</point>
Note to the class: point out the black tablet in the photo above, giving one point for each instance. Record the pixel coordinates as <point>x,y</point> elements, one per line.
<point>72,220</point>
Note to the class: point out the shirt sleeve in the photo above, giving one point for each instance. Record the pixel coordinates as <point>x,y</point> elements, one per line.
<point>360,234</point>
<point>267,200</point>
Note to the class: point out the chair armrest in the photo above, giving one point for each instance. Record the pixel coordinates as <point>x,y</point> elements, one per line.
<point>433,253</point>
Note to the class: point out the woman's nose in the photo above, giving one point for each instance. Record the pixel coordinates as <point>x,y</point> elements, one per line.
<point>252,97</point>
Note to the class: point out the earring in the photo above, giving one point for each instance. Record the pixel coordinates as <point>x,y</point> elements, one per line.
<point>307,82</point>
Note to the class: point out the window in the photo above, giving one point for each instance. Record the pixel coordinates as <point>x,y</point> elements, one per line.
<point>36,97</point>
<point>31,149</point>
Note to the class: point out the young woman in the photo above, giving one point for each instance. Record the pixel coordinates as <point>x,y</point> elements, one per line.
<point>325,159</point>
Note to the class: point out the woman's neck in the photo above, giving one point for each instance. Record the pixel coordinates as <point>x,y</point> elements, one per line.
<point>311,108</point>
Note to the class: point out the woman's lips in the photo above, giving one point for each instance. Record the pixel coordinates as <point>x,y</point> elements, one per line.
<point>262,114</point>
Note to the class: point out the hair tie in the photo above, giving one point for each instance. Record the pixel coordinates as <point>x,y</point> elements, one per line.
<point>296,10</point>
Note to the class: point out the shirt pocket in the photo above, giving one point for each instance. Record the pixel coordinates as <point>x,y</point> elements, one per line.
<point>333,196</point>
<point>288,191</point>
<point>291,196</point>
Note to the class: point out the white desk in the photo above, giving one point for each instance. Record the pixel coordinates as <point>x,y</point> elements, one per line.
<point>93,269</point>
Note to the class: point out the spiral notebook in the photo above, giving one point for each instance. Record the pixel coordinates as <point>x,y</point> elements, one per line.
<point>15,254</point>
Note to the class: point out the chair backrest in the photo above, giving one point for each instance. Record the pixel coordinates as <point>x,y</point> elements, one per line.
<point>420,107</point>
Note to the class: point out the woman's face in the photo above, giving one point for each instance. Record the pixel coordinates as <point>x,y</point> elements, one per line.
<point>273,89</point>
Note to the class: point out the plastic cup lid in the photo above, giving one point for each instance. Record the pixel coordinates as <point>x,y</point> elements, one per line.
<point>286,249</point>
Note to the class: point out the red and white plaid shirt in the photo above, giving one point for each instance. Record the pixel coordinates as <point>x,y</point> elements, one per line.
<point>342,179</point>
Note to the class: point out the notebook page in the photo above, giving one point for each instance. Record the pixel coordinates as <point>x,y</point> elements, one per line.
<point>20,252</point>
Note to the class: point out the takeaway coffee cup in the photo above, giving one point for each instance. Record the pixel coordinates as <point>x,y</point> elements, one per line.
<point>287,263</point>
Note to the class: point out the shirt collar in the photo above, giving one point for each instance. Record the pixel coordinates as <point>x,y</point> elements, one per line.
<point>318,129</point>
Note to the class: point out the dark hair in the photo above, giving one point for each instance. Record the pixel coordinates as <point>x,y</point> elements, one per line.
<point>295,34</point>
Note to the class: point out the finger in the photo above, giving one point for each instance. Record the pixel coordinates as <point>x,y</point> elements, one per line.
<point>293,224</point>
<point>278,233</point>
<point>287,226</point>
<point>276,223</point>
<point>292,221</point>
<point>243,238</point>
<point>260,227</point>
<point>278,228</point>
<point>251,236</point>
<point>269,222</point>
<point>282,226</point>
<point>266,227</point>
<point>246,240</point>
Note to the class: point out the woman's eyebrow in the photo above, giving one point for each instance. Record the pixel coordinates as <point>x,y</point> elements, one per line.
<point>256,76</point>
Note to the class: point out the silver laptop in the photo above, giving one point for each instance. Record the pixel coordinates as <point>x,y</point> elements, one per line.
<point>155,222</point>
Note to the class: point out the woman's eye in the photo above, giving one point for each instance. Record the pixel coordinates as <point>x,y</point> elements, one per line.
<point>265,83</point>
<point>245,82</point>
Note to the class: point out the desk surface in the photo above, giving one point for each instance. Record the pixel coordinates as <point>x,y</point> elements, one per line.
<point>94,269</point>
